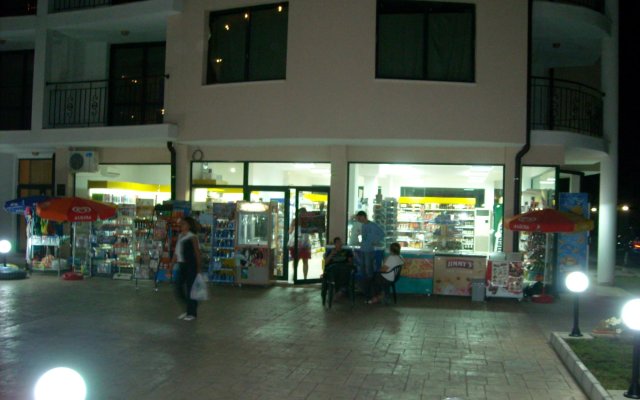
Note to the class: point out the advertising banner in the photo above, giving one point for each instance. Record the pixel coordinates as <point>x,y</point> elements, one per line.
<point>417,274</point>
<point>573,248</point>
<point>453,274</point>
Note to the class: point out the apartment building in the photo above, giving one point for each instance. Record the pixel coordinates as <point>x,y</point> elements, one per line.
<point>387,106</point>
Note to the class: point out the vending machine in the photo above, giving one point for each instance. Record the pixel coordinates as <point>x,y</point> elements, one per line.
<point>256,250</point>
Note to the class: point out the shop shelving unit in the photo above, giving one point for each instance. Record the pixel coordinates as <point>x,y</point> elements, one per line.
<point>223,239</point>
<point>385,213</point>
<point>114,244</point>
<point>444,227</point>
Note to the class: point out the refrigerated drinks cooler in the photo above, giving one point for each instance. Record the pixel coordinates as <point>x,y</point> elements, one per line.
<point>256,250</point>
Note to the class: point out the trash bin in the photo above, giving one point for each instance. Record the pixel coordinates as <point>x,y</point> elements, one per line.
<point>477,289</point>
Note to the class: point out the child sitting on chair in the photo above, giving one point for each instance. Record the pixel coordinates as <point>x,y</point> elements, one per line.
<point>387,273</point>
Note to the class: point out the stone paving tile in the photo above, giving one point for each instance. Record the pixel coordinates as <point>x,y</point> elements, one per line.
<point>276,343</point>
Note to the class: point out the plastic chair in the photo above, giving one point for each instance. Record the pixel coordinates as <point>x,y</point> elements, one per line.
<point>337,276</point>
<point>392,284</point>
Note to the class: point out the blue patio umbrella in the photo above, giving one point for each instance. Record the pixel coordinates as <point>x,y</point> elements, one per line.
<point>19,205</point>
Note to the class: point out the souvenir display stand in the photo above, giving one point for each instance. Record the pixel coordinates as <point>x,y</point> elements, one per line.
<point>167,230</point>
<point>222,261</point>
<point>505,276</point>
<point>256,233</point>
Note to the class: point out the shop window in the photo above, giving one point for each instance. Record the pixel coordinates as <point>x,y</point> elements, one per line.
<point>248,44</point>
<point>126,183</point>
<point>290,174</point>
<point>538,188</point>
<point>430,207</point>
<point>16,83</point>
<point>217,173</point>
<point>426,41</point>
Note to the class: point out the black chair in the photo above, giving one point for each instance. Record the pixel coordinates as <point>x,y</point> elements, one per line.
<point>336,277</point>
<point>392,284</point>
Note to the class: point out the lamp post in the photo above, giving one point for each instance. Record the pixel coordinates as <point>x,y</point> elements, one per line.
<point>577,282</point>
<point>631,318</point>
<point>5,247</point>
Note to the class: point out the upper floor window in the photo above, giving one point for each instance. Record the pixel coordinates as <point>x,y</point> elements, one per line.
<point>248,44</point>
<point>426,40</point>
<point>16,85</point>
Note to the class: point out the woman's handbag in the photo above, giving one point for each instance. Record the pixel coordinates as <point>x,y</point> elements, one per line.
<point>199,290</point>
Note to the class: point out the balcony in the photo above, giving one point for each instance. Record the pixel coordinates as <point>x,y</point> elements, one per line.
<point>16,8</point>
<point>563,105</point>
<point>68,5</point>
<point>595,5</point>
<point>116,102</point>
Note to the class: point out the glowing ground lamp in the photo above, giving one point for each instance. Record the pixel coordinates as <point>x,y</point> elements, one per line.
<point>577,282</point>
<point>5,247</point>
<point>60,383</point>
<point>631,318</point>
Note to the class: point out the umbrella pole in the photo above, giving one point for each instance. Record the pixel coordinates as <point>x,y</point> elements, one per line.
<point>73,249</point>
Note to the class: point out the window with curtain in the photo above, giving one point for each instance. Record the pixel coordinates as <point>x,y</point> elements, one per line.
<point>248,44</point>
<point>426,41</point>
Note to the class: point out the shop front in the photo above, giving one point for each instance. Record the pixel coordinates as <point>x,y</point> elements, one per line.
<point>447,218</point>
<point>297,194</point>
<point>121,247</point>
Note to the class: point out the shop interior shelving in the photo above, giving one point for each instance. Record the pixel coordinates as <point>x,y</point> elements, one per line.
<point>436,226</point>
<point>114,244</point>
<point>222,266</point>
<point>385,214</point>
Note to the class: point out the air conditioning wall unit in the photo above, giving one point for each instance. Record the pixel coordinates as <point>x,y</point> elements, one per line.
<point>83,161</point>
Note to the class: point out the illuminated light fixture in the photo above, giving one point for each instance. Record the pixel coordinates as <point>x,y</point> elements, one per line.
<point>60,383</point>
<point>594,209</point>
<point>5,247</point>
<point>631,318</point>
<point>279,8</point>
<point>232,170</point>
<point>246,15</point>
<point>625,208</point>
<point>227,27</point>
<point>254,207</point>
<point>577,282</point>
<point>218,60</point>
<point>205,166</point>
<point>162,111</point>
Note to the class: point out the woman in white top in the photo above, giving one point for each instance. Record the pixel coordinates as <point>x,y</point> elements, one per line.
<point>187,255</point>
<point>386,274</point>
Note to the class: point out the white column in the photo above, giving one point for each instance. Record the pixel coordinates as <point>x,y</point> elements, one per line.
<point>183,165</point>
<point>8,166</point>
<point>607,209</point>
<point>338,195</point>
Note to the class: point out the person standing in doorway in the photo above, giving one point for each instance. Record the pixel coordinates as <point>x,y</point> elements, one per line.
<point>304,245</point>
<point>372,236</point>
<point>187,255</point>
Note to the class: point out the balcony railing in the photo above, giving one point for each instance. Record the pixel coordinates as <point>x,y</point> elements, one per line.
<point>15,8</point>
<point>127,101</point>
<point>558,104</point>
<point>68,5</point>
<point>596,5</point>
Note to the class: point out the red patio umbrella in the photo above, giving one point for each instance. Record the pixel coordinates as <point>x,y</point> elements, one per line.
<point>549,221</point>
<point>74,209</point>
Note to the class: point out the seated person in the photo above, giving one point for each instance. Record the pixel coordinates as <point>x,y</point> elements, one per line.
<point>338,264</point>
<point>386,274</point>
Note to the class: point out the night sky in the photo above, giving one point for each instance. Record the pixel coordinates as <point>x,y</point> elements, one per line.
<point>629,164</point>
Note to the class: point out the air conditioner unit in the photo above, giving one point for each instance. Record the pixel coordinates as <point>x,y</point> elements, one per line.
<point>83,161</point>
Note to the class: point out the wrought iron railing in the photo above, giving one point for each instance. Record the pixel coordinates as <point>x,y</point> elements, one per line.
<point>14,8</point>
<point>125,101</point>
<point>67,5</point>
<point>596,5</point>
<point>558,104</point>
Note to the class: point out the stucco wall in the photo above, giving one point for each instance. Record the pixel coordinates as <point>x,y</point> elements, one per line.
<point>330,91</point>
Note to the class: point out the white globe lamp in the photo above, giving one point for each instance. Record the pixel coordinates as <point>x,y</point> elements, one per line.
<point>60,383</point>
<point>577,282</point>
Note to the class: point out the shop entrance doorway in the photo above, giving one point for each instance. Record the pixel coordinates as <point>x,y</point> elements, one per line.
<point>300,241</point>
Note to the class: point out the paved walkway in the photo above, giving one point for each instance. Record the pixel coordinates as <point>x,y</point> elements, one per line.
<point>276,343</point>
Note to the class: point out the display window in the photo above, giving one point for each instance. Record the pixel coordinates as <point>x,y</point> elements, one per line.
<point>217,173</point>
<point>538,187</point>
<point>126,183</point>
<point>290,174</point>
<point>445,208</point>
